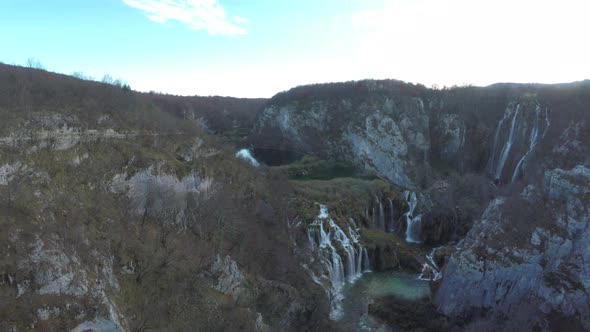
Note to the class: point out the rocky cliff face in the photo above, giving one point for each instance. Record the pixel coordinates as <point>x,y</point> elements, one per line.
<point>381,132</point>
<point>526,264</point>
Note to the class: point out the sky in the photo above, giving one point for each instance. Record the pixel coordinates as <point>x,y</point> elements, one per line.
<point>257,48</point>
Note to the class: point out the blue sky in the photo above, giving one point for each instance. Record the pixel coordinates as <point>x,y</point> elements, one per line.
<point>250,48</point>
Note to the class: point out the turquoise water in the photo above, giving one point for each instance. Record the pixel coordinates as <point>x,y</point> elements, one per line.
<point>373,285</point>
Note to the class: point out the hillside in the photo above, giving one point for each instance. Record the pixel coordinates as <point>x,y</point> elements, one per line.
<point>114,209</point>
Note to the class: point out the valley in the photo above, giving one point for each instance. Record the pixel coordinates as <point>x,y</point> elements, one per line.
<point>357,206</point>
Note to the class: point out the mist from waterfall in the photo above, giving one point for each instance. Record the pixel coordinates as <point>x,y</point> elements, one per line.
<point>330,241</point>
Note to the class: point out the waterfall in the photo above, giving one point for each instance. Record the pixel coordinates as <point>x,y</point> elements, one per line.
<point>492,160</point>
<point>366,262</point>
<point>507,146</point>
<point>342,255</point>
<point>374,223</point>
<point>381,217</point>
<point>414,223</point>
<point>430,271</point>
<point>391,227</point>
<point>519,140</point>
<point>533,140</point>
<point>246,155</point>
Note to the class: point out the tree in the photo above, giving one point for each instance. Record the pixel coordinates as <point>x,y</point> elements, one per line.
<point>34,63</point>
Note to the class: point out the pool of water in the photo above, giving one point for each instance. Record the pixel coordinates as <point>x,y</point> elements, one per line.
<point>358,295</point>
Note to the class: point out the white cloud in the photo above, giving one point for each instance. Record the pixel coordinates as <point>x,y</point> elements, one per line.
<point>478,42</point>
<point>207,15</point>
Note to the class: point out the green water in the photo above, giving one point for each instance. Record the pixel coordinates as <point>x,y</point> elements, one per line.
<point>358,295</point>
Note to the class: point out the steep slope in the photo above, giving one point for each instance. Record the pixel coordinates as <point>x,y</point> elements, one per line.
<point>526,260</point>
<point>118,215</point>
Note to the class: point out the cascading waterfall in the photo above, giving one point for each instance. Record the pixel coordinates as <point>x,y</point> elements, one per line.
<point>414,223</point>
<point>430,271</point>
<point>329,241</point>
<point>533,140</point>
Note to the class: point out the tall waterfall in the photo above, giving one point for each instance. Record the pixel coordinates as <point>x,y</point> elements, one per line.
<point>533,139</point>
<point>514,143</point>
<point>430,271</point>
<point>391,227</point>
<point>341,254</point>
<point>492,161</point>
<point>378,217</point>
<point>507,145</point>
<point>381,217</point>
<point>414,223</point>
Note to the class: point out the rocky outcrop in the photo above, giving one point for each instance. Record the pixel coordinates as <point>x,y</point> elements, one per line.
<point>60,285</point>
<point>228,275</point>
<point>449,132</point>
<point>386,146</point>
<point>384,132</point>
<point>57,132</point>
<point>165,196</point>
<point>496,269</point>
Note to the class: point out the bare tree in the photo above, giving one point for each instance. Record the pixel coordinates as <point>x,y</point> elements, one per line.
<point>34,63</point>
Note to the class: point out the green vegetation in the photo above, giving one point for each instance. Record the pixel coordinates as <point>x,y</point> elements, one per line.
<point>313,168</point>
